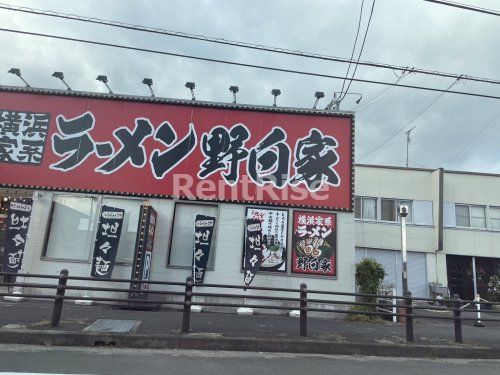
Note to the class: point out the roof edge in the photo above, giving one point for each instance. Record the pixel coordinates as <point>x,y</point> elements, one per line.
<point>160,100</point>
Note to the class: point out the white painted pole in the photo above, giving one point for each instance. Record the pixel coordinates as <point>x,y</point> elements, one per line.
<point>403,211</point>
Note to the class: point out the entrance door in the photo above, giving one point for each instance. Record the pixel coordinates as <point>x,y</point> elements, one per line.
<point>459,269</point>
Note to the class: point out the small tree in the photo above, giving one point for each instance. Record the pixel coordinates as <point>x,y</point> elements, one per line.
<point>494,289</point>
<point>369,276</point>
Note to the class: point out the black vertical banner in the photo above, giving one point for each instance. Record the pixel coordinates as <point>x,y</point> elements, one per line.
<point>18,221</point>
<point>107,241</point>
<point>143,256</point>
<point>253,249</point>
<point>203,232</point>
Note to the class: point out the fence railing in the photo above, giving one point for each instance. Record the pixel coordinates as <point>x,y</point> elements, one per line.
<point>404,307</point>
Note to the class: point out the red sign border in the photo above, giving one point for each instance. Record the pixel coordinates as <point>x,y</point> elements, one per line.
<point>190,103</point>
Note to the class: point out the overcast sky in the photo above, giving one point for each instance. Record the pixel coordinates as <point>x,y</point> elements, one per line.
<point>456,132</point>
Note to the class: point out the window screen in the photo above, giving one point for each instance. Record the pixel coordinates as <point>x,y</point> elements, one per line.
<point>388,208</point>
<point>129,231</point>
<point>462,215</point>
<point>71,228</point>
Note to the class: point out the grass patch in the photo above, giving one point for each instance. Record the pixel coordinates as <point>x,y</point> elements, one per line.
<point>368,318</point>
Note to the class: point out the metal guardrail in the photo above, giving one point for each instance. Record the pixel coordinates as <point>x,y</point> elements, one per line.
<point>388,304</point>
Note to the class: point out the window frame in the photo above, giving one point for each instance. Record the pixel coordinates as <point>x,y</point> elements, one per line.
<point>469,206</point>
<point>361,198</point>
<point>101,203</point>
<point>172,227</point>
<point>94,216</point>
<point>398,203</point>
<point>490,218</point>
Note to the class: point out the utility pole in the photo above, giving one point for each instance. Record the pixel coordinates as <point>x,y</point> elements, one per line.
<point>408,144</point>
<point>403,212</point>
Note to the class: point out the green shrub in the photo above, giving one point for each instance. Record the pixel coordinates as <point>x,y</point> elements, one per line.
<point>369,276</point>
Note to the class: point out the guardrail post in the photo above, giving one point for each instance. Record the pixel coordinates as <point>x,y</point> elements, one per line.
<point>457,319</point>
<point>186,316</point>
<point>59,299</point>
<point>303,310</point>
<point>409,316</point>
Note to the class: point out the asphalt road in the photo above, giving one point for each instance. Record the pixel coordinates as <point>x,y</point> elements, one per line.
<point>54,360</point>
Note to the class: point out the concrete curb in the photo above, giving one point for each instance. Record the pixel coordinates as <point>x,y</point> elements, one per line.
<point>201,342</point>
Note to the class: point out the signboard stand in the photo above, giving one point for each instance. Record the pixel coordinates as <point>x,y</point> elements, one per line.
<point>141,266</point>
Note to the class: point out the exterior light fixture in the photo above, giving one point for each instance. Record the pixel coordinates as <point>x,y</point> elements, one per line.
<point>17,72</point>
<point>191,86</point>
<point>234,90</point>
<point>104,80</point>
<point>149,82</point>
<point>275,93</point>
<point>60,75</point>
<point>335,103</point>
<point>318,95</point>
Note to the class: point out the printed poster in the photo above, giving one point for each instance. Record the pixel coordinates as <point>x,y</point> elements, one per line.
<point>314,248</point>
<point>274,237</point>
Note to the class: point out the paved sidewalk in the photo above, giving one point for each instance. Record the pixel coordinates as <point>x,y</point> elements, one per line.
<point>36,315</point>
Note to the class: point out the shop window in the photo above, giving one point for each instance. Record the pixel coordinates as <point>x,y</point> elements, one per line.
<point>128,236</point>
<point>365,208</point>
<point>70,228</point>
<point>469,216</point>
<point>495,218</point>
<point>389,209</point>
<point>182,244</point>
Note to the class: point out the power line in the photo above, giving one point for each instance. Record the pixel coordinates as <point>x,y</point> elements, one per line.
<point>472,139</point>
<point>420,113</point>
<point>354,46</point>
<point>283,70</point>
<point>223,41</point>
<point>360,52</point>
<point>465,6</point>
<point>385,90</point>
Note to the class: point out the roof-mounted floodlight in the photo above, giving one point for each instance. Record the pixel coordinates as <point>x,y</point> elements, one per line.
<point>104,80</point>
<point>17,72</point>
<point>275,93</point>
<point>191,86</point>
<point>234,90</point>
<point>318,95</point>
<point>149,82</point>
<point>60,75</point>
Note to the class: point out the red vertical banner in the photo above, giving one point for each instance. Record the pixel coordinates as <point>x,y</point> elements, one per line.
<point>314,243</point>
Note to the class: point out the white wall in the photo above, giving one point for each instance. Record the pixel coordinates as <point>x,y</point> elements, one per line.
<point>228,252</point>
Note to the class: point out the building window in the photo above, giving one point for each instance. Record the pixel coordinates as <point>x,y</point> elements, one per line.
<point>495,218</point>
<point>128,236</point>
<point>70,228</point>
<point>469,216</point>
<point>365,208</point>
<point>182,244</point>
<point>389,209</point>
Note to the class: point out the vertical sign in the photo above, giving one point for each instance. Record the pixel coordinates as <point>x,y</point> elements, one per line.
<point>141,267</point>
<point>18,221</point>
<point>253,249</point>
<point>314,243</point>
<point>203,233</point>
<point>107,241</point>
<point>274,225</point>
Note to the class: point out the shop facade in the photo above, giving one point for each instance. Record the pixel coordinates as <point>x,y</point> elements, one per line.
<point>146,188</point>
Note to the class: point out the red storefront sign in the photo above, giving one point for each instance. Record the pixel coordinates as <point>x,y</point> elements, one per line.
<point>149,147</point>
<point>314,243</point>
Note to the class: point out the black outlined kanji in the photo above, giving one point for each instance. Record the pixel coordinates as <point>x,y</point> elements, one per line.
<point>315,155</point>
<point>224,150</point>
